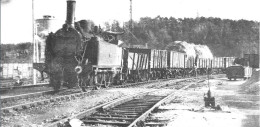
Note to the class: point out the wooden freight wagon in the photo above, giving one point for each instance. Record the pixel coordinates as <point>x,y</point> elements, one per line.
<point>158,63</point>
<point>228,61</point>
<point>137,64</point>
<point>176,63</point>
<point>238,71</point>
<point>189,62</point>
<point>203,64</point>
<point>189,66</point>
<point>252,60</point>
<point>217,64</point>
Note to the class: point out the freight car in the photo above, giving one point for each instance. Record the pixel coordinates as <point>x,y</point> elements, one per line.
<point>136,65</point>
<point>243,67</point>
<point>176,64</point>
<point>220,64</point>
<point>238,71</point>
<point>251,60</point>
<point>82,54</point>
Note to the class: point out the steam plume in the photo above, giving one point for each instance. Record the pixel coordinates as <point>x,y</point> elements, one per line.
<point>5,1</point>
<point>192,50</point>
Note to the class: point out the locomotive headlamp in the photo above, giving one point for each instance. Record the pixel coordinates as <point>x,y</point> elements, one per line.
<point>78,69</point>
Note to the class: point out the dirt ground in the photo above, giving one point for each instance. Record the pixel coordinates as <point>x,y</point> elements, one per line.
<point>239,109</point>
<point>40,116</point>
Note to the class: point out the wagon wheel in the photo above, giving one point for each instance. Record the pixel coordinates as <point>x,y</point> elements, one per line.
<point>144,76</point>
<point>99,81</point>
<point>124,79</point>
<point>138,77</point>
<point>167,74</point>
<point>117,80</point>
<point>97,87</point>
<point>154,76</point>
<point>108,80</point>
<point>147,75</point>
<point>133,78</point>
<point>158,75</point>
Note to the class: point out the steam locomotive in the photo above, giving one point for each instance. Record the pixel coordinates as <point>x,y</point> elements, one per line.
<point>82,54</point>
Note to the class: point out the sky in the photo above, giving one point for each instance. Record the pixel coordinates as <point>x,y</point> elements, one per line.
<point>16,15</point>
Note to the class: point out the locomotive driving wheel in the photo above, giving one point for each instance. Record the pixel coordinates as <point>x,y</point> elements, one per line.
<point>108,80</point>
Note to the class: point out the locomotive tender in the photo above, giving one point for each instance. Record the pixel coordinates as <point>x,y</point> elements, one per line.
<point>79,53</point>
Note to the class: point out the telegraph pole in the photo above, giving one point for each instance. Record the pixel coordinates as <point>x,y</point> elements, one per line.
<point>258,49</point>
<point>131,21</point>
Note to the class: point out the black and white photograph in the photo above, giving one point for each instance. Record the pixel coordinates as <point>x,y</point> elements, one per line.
<point>129,63</point>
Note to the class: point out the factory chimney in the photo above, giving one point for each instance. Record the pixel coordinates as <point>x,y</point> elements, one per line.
<point>71,4</point>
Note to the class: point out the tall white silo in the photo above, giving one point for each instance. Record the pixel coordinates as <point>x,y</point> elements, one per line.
<point>44,26</point>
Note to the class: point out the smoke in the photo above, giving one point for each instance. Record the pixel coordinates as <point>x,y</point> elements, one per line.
<point>203,51</point>
<point>192,50</point>
<point>5,1</point>
<point>185,47</point>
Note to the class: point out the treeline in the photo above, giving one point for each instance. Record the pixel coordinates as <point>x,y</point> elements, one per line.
<point>16,53</point>
<point>224,37</point>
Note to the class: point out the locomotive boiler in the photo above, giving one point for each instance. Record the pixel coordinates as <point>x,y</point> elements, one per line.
<point>94,53</point>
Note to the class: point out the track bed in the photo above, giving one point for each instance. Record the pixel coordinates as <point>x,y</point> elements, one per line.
<point>124,114</point>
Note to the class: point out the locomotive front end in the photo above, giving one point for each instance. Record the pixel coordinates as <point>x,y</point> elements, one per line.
<point>61,47</point>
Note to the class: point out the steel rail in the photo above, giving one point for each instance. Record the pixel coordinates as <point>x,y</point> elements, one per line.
<point>97,108</point>
<point>32,104</point>
<point>23,87</point>
<point>41,102</point>
<point>145,114</point>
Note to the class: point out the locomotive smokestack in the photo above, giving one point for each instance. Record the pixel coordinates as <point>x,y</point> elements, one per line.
<point>71,4</point>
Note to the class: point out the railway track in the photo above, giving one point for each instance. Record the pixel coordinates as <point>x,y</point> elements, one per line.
<point>23,87</point>
<point>127,111</point>
<point>50,100</point>
<point>65,97</point>
<point>24,96</point>
<point>42,102</point>
<point>17,99</point>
